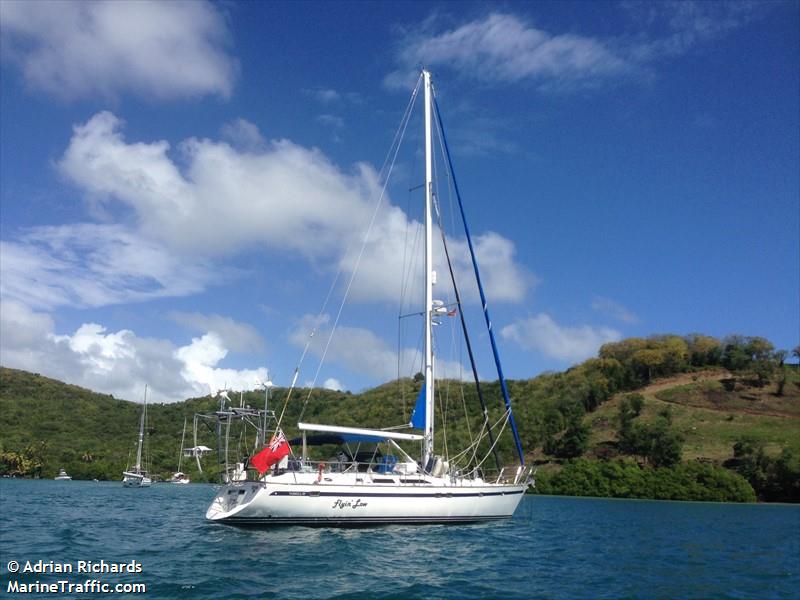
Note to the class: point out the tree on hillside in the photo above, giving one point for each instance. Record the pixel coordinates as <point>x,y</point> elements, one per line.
<point>630,407</point>
<point>547,424</point>
<point>759,348</point>
<point>703,350</point>
<point>734,356</point>
<point>27,463</point>
<point>630,437</point>
<point>676,353</point>
<point>773,479</point>
<point>780,357</point>
<point>622,350</point>
<point>785,477</point>
<point>762,355</point>
<point>751,354</point>
<point>666,443</point>
<point>648,362</point>
<point>572,443</point>
<point>751,462</point>
<point>644,359</point>
<point>658,442</point>
<point>606,375</point>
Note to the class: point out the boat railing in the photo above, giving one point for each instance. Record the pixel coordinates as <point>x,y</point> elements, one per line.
<point>405,472</point>
<point>374,467</point>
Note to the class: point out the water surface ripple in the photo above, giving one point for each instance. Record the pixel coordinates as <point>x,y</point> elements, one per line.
<point>553,548</point>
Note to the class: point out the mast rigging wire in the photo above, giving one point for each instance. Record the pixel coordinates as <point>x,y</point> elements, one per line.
<point>484,303</point>
<point>390,161</point>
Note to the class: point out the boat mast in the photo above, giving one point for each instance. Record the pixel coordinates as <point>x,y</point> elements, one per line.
<point>138,467</point>
<point>429,273</point>
<point>183,437</point>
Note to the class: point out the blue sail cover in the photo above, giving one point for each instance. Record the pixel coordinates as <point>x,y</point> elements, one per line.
<point>418,416</point>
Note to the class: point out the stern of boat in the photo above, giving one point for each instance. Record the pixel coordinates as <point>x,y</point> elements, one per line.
<point>232,499</point>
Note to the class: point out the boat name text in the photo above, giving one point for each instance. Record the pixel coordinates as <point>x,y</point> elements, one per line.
<point>357,503</point>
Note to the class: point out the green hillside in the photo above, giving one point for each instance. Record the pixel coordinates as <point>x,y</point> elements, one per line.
<point>46,425</point>
<point>92,436</point>
<point>644,412</point>
<point>712,410</point>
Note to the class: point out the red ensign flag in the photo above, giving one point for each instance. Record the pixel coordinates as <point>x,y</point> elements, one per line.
<point>277,448</point>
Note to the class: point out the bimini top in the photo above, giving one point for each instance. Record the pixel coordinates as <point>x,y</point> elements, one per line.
<point>339,439</point>
<point>357,434</point>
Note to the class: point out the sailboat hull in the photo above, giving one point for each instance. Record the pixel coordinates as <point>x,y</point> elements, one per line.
<point>328,504</point>
<point>135,480</point>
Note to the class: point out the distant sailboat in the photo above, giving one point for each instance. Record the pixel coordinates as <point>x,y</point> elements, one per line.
<point>137,476</point>
<point>179,476</point>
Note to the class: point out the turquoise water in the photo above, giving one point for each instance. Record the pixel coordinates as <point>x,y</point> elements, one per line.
<point>553,548</point>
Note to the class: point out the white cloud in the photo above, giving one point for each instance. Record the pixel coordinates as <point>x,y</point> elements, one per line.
<point>685,24</point>
<point>93,265</point>
<point>181,225</point>
<point>324,95</point>
<point>566,343</point>
<point>22,330</point>
<point>200,360</point>
<point>503,278</point>
<point>362,351</point>
<point>118,363</point>
<point>357,349</point>
<point>284,197</point>
<point>236,336</point>
<point>334,123</point>
<point>389,269</point>
<point>503,47</point>
<point>613,309</point>
<point>76,49</point>
<point>243,135</point>
<point>333,384</point>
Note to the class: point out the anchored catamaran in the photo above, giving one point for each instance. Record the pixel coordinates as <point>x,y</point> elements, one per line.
<point>280,485</point>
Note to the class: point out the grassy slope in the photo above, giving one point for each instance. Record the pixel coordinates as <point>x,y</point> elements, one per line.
<point>713,411</point>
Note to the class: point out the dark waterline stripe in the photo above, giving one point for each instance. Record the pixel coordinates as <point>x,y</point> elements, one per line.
<point>315,494</point>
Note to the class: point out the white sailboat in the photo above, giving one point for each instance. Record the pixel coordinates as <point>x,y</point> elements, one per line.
<point>179,476</point>
<point>392,487</point>
<point>137,476</point>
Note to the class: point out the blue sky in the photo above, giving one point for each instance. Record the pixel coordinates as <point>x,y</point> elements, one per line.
<point>181,183</point>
